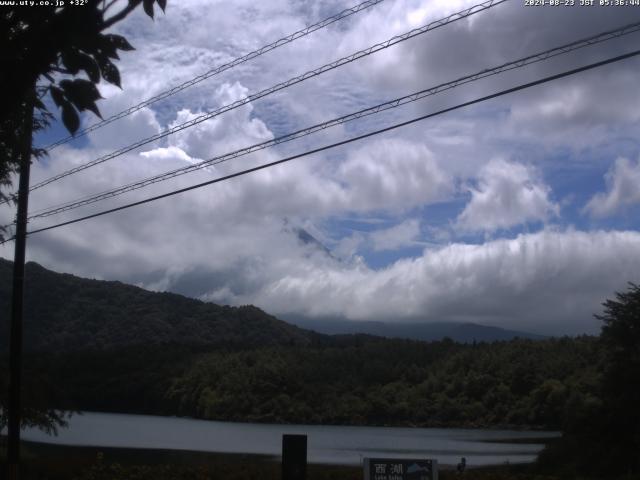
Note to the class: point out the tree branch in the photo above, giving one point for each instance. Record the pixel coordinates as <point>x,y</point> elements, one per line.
<point>119,16</point>
<point>60,70</point>
<point>108,6</point>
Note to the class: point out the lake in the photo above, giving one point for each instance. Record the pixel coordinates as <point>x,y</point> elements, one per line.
<point>326,444</point>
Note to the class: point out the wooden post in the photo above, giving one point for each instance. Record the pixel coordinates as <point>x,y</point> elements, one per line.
<point>294,457</point>
<point>17,300</point>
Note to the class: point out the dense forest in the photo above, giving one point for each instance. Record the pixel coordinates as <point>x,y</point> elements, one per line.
<point>356,380</point>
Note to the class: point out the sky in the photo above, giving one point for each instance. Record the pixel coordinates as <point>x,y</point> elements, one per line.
<point>519,212</point>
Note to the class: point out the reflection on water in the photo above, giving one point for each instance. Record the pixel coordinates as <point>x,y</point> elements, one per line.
<point>326,444</point>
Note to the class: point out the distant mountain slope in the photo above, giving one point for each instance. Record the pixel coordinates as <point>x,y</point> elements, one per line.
<point>460,332</point>
<point>64,312</point>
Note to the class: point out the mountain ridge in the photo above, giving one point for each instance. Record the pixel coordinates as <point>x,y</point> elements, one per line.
<point>64,312</point>
<point>464,332</point>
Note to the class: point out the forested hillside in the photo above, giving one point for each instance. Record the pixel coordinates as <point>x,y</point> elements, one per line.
<point>64,313</point>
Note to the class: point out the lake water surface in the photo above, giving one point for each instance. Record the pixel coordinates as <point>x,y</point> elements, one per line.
<point>326,444</point>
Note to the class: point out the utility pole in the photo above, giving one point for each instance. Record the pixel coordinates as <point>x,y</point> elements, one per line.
<point>17,300</point>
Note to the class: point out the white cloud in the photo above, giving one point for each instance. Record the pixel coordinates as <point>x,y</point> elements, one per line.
<point>403,234</point>
<point>548,281</point>
<point>192,38</point>
<point>623,189</point>
<point>393,175</point>
<point>169,153</point>
<point>386,175</point>
<point>130,129</point>
<point>348,247</point>
<point>508,194</point>
<point>221,134</point>
<point>398,236</point>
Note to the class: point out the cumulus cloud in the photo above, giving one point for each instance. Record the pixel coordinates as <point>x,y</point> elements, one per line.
<point>561,113</point>
<point>388,175</point>
<point>401,235</point>
<point>623,189</point>
<point>220,135</point>
<point>508,194</point>
<point>394,175</point>
<point>174,153</point>
<point>547,281</point>
<point>141,124</point>
<point>349,246</point>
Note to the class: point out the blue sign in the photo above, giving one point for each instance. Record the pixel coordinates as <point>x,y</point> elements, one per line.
<point>400,469</point>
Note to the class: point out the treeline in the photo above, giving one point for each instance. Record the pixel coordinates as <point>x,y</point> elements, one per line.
<point>385,382</point>
<point>349,380</point>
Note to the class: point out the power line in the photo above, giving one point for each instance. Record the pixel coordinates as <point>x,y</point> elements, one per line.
<point>280,86</point>
<point>222,68</point>
<point>538,57</point>
<point>344,142</point>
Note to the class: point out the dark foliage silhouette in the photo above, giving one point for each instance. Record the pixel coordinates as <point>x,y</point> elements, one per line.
<point>62,52</point>
<point>602,438</point>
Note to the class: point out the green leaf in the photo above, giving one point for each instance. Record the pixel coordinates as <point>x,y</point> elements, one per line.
<point>39,105</point>
<point>82,93</point>
<point>109,71</point>
<point>70,61</point>
<point>107,47</point>
<point>90,66</point>
<point>58,96</point>
<point>70,118</point>
<point>119,42</point>
<point>75,61</point>
<point>94,108</point>
<point>148,7</point>
<point>80,88</point>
